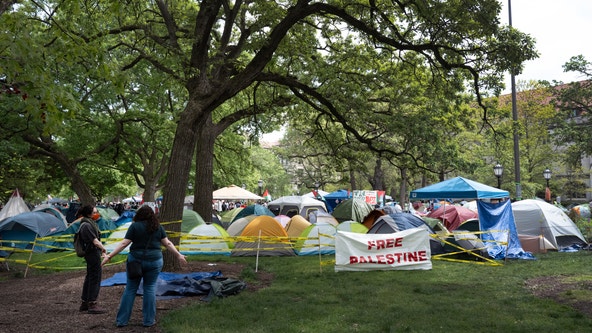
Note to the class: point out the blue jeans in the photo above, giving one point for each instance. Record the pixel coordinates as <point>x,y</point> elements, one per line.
<point>150,270</point>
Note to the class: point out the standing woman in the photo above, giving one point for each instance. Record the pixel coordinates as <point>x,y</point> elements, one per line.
<point>146,236</point>
<point>90,235</point>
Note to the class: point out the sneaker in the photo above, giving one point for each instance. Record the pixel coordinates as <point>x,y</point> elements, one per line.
<point>93,308</point>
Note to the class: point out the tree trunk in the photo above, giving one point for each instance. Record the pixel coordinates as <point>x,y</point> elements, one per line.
<point>79,186</point>
<point>171,211</point>
<point>378,178</point>
<point>204,171</point>
<point>403,197</point>
<point>352,179</point>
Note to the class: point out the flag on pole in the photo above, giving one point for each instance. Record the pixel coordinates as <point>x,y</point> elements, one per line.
<point>266,195</point>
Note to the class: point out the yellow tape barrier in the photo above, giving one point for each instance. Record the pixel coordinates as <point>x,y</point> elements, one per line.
<point>189,239</point>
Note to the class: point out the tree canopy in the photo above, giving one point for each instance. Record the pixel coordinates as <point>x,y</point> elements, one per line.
<point>283,54</point>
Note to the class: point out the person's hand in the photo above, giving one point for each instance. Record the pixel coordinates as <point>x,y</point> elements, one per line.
<point>182,258</point>
<point>106,259</point>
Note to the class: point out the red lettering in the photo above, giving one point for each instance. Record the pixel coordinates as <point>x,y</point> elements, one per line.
<point>422,255</point>
<point>371,244</point>
<point>390,259</point>
<point>380,259</point>
<point>380,244</point>
<point>390,243</point>
<point>399,242</point>
<point>353,260</point>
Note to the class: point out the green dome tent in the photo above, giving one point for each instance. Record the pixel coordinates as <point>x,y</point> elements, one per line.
<point>352,210</point>
<point>191,219</point>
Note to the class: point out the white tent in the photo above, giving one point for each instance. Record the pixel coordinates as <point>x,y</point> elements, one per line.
<point>234,192</point>
<point>296,205</point>
<point>15,206</point>
<point>117,236</point>
<point>537,217</point>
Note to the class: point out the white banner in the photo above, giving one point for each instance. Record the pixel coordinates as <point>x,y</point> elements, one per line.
<point>405,250</point>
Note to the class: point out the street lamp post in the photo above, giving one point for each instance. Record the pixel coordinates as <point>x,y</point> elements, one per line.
<point>547,174</point>
<point>260,183</point>
<point>498,170</point>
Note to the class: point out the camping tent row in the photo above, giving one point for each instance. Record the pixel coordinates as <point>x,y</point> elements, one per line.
<point>255,235</point>
<point>536,223</point>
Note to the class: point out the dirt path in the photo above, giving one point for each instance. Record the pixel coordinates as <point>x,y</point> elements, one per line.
<point>49,303</point>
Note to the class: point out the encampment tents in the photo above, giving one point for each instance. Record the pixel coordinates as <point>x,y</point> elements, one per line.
<point>452,216</point>
<point>333,199</point>
<point>458,188</point>
<point>263,236</point>
<point>296,225</point>
<point>296,205</point>
<point>234,192</point>
<point>206,239</point>
<point>117,236</point>
<point>15,205</point>
<point>537,217</point>
<point>352,226</point>
<point>352,210</point>
<point>255,209</point>
<point>495,215</point>
<point>191,219</point>
<point>391,223</point>
<point>20,231</point>
<point>318,238</point>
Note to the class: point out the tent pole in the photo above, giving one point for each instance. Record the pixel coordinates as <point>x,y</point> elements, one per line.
<point>320,259</point>
<point>258,247</point>
<point>30,255</point>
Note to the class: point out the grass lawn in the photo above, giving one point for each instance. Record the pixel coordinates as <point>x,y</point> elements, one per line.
<point>305,296</point>
<point>452,297</point>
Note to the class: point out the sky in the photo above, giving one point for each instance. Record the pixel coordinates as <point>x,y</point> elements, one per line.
<point>561,29</point>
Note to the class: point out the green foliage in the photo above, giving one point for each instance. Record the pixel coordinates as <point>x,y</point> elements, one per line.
<point>574,101</point>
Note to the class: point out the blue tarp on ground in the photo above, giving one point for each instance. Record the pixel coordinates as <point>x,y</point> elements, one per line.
<point>170,285</point>
<point>499,219</point>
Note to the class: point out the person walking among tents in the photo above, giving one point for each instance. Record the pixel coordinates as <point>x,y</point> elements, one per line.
<point>90,235</point>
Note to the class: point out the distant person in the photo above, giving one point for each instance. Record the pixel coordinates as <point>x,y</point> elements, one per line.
<point>146,236</point>
<point>90,235</point>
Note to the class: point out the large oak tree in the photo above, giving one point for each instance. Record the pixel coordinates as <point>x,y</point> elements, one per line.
<point>217,49</point>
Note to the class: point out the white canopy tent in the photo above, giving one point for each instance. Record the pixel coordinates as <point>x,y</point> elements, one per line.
<point>234,192</point>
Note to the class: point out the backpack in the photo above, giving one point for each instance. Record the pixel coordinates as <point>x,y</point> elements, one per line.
<point>79,245</point>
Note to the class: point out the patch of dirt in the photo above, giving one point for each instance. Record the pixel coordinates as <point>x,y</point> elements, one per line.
<point>49,302</point>
<point>564,290</point>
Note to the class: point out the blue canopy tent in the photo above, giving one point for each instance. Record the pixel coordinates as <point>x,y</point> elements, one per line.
<point>459,188</point>
<point>335,198</point>
<point>492,215</point>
